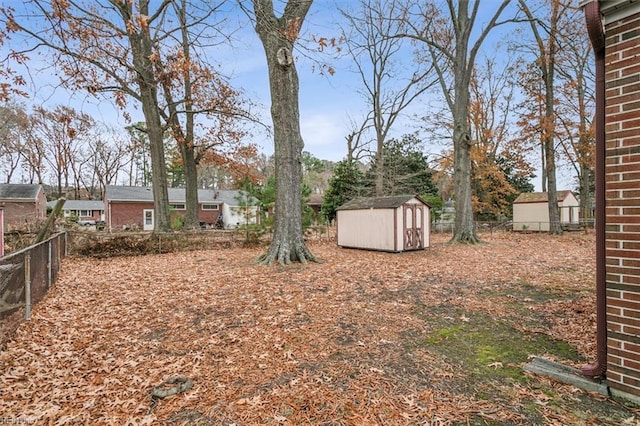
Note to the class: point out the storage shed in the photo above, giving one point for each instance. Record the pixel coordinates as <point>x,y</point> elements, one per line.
<point>531,210</point>
<point>395,223</point>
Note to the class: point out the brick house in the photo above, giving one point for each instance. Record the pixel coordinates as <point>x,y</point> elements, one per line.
<point>85,211</point>
<point>22,203</point>
<point>614,30</point>
<point>132,207</point>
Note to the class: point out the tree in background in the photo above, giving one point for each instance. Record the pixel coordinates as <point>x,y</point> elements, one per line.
<point>108,156</point>
<point>14,123</point>
<point>60,133</point>
<point>576,106</point>
<point>316,173</point>
<point>406,169</point>
<point>266,194</point>
<point>519,177</point>
<point>194,96</point>
<point>388,86</point>
<point>451,44</point>
<point>491,97</point>
<point>346,184</point>
<point>139,162</point>
<point>546,28</point>
<point>108,47</point>
<point>278,36</point>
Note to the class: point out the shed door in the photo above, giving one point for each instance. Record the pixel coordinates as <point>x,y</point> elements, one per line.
<point>413,229</point>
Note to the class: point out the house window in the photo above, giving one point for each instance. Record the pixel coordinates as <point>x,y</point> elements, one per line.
<point>85,213</point>
<point>177,206</point>
<point>210,207</point>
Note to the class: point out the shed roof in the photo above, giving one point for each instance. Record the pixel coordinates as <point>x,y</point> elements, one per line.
<point>19,191</point>
<point>388,202</point>
<point>540,197</point>
<point>176,195</point>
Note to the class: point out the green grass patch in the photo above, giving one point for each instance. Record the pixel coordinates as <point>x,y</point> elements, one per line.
<point>489,349</point>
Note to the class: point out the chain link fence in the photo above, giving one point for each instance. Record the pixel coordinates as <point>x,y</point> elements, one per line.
<point>25,277</point>
<point>487,226</point>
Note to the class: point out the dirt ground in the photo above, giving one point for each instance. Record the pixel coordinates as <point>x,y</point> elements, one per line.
<point>210,338</point>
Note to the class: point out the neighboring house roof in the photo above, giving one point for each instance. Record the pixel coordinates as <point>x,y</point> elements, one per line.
<point>389,202</point>
<point>315,199</point>
<point>19,191</point>
<point>176,195</point>
<point>540,197</point>
<point>79,204</point>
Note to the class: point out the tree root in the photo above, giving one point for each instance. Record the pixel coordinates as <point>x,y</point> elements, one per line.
<point>284,254</point>
<point>465,238</point>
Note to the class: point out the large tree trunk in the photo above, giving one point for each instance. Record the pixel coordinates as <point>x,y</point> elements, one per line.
<point>465,230</point>
<point>379,172</point>
<point>544,167</point>
<point>191,220</point>
<point>187,149</point>
<point>546,62</point>
<point>278,37</point>
<point>141,48</point>
<point>555,227</point>
<point>465,226</point>
<point>585,193</point>
<point>184,140</point>
<point>159,176</point>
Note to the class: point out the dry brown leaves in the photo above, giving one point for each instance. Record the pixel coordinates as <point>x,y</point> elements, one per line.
<point>323,343</point>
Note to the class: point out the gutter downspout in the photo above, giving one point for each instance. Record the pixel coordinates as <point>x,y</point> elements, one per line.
<point>597,37</point>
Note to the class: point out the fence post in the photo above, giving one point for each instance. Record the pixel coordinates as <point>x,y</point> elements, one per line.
<point>1,231</point>
<point>49,264</point>
<point>27,285</point>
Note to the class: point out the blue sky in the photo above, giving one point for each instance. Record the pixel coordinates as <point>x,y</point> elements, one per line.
<point>325,102</point>
<point>328,104</point>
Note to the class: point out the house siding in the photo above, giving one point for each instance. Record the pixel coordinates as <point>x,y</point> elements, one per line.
<point>125,214</point>
<point>235,216</point>
<point>95,214</point>
<point>122,214</point>
<point>622,201</point>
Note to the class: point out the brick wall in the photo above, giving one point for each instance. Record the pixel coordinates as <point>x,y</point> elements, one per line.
<point>129,214</point>
<point>17,214</point>
<point>623,203</point>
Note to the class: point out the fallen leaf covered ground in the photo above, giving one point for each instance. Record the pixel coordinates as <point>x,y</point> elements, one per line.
<point>364,338</point>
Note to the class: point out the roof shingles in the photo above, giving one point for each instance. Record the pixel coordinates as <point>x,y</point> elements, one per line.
<point>176,195</point>
<point>540,197</point>
<point>20,191</point>
<point>389,202</point>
